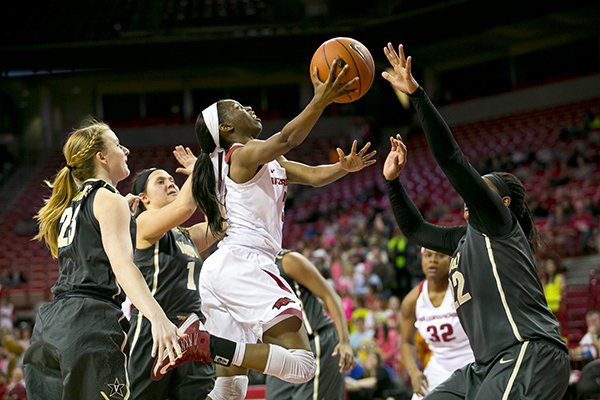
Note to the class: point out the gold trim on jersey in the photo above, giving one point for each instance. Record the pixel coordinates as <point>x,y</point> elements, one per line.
<point>513,376</point>
<point>138,327</point>
<point>488,245</point>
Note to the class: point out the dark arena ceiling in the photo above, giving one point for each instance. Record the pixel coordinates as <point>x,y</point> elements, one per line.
<point>80,34</point>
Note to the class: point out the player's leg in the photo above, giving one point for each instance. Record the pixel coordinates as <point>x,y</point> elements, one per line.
<point>231,383</point>
<point>191,381</point>
<point>457,387</point>
<point>328,381</point>
<point>93,358</point>
<point>528,371</point>
<point>140,362</point>
<point>254,298</point>
<point>41,362</point>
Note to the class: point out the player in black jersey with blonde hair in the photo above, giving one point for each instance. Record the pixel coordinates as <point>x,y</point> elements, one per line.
<point>78,347</point>
<point>519,353</point>
<point>329,340</point>
<point>169,258</point>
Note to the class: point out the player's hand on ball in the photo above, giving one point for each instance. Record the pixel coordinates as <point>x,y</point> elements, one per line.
<point>402,78</point>
<point>396,160</point>
<point>186,158</point>
<point>333,87</point>
<point>354,161</point>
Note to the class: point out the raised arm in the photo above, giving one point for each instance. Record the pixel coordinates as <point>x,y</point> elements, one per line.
<point>152,224</point>
<point>487,212</point>
<point>408,217</point>
<point>259,152</point>
<point>325,174</point>
<point>300,269</point>
<point>113,215</point>
<point>408,348</point>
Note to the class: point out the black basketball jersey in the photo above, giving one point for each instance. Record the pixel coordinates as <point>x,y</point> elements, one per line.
<point>171,269</point>
<point>84,268</point>
<point>313,313</point>
<point>497,277</point>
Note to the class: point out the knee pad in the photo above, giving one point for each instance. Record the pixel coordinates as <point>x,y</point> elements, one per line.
<point>230,388</point>
<point>294,366</point>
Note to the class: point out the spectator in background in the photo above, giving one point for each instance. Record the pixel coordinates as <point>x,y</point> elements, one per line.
<point>360,334</point>
<point>388,341</point>
<point>371,380</point>
<point>589,345</point>
<point>554,283</point>
<point>398,255</point>
<point>16,388</point>
<point>3,385</point>
<point>583,220</point>
<point>7,314</point>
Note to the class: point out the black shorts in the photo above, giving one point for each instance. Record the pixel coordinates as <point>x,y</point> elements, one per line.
<point>328,381</point>
<point>188,381</point>
<point>77,351</point>
<point>531,370</point>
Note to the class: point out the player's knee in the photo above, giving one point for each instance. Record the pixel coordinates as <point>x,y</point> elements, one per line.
<point>230,388</point>
<point>294,366</point>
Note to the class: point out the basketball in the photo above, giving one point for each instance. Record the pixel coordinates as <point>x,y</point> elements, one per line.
<point>353,53</point>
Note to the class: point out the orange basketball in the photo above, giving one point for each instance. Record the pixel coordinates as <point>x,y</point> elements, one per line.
<point>353,53</point>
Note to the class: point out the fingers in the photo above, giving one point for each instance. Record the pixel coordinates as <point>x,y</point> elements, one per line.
<point>353,149</point>
<point>341,154</point>
<point>154,346</point>
<point>172,357</point>
<point>364,149</point>
<point>390,54</point>
<point>401,58</point>
<point>332,71</point>
<point>409,66</point>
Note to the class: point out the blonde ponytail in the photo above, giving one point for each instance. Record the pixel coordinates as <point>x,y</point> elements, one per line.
<point>79,151</point>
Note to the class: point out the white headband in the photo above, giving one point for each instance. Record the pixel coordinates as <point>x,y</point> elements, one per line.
<point>211,119</point>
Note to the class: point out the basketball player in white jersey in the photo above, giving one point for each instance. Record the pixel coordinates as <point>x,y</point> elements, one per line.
<point>244,298</point>
<point>429,308</point>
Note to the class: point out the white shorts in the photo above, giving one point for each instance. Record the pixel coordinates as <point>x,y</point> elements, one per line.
<point>435,374</point>
<point>243,294</point>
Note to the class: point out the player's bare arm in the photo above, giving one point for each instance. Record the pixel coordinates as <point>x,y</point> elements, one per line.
<point>113,215</point>
<point>407,344</point>
<point>246,160</point>
<point>153,223</point>
<point>325,174</point>
<point>304,272</point>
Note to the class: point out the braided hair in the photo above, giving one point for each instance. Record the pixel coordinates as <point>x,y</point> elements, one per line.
<point>518,205</point>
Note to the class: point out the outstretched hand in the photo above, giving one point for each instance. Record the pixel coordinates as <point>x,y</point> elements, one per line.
<point>396,160</point>
<point>186,158</point>
<point>333,87</point>
<point>402,78</point>
<point>354,161</point>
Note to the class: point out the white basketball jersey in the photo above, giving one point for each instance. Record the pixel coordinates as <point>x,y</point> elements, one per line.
<point>441,330</point>
<point>255,210</point>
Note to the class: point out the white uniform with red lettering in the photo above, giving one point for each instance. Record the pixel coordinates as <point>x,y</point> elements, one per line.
<point>445,337</point>
<point>241,289</point>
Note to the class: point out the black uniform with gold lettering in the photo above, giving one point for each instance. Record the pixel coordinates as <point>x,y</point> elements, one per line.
<point>172,270</point>
<point>78,346</point>
<point>328,382</point>
<point>519,353</point>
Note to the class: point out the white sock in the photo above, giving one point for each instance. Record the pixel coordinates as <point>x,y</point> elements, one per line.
<point>238,355</point>
<point>295,365</point>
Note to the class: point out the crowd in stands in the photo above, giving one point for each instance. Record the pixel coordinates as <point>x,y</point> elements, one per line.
<point>14,340</point>
<point>372,265</point>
